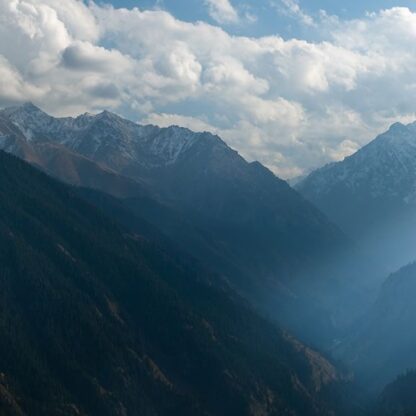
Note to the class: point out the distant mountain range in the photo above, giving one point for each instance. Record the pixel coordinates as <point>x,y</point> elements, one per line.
<point>371,195</point>
<point>237,217</point>
<point>98,320</point>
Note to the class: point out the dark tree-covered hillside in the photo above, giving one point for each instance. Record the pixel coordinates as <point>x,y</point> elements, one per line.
<point>96,320</point>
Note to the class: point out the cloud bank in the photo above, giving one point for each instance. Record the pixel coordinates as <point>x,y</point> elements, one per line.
<point>292,104</point>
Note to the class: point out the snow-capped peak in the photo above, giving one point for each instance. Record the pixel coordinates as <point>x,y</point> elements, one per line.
<point>107,137</point>
<point>27,117</point>
<point>27,108</point>
<point>386,167</point>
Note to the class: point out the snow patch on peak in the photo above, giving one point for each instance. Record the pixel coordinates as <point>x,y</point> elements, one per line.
<point>397,139</point>
<point>86,115</point>
<point>106,114</point>
<point>27,117</point>
<point>28,109</point>
<point>171,142</point>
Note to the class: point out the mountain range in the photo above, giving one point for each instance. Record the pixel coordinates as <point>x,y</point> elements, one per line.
<point>192,273</point>
<point>242,221</point>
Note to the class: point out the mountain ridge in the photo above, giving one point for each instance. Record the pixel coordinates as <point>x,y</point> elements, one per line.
<point>371,195</point>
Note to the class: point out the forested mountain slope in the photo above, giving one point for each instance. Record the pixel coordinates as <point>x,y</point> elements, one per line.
<point>383,343</point>
<point>96,320</point>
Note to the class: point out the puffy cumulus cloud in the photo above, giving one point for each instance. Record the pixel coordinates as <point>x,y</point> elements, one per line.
<point>33,38</point>
<point>13,88</point>
<point>292,104</point>
<point>85,57</point>
<point>222,11</point>
<point>79,22</point>
<point>230,73</point>
<point>380,32</point>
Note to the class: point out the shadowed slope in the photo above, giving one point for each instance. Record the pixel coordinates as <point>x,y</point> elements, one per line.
<point>99,321</point>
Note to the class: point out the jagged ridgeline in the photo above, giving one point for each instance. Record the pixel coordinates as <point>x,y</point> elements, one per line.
<point>95,320</point>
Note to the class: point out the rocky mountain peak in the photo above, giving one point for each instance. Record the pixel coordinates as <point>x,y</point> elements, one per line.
<point>108,138</point>
<point>372,194</point>
<point>387,165</point>
<point>27,109</point>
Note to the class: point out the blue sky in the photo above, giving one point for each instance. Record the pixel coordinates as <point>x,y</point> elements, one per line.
<point>269,20</point>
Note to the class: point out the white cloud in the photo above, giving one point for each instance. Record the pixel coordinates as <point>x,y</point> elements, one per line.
<point>344,149</point>
<point>13,87</point>
<point>292,9</point>
<point>86,57</point>
<point>222,11</point>
<point>292,104</point>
